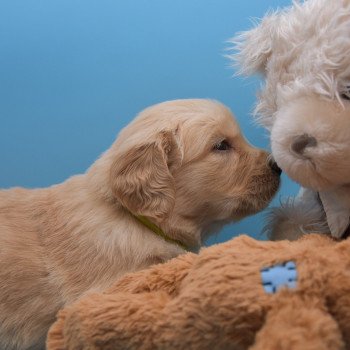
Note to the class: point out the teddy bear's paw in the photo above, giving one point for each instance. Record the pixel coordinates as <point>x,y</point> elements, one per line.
<point>295,324</point>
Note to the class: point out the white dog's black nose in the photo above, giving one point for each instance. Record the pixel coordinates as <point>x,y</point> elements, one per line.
<point>275,168</point>
<point>301,142</point>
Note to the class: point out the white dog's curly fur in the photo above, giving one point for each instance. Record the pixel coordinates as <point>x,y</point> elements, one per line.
<point>304,54</point>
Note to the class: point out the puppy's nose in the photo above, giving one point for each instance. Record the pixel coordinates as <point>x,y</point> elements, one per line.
<point>274,167</point>
<point>301,142</point>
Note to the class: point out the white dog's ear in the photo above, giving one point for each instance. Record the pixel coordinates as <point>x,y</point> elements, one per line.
<point>253,48</point>
<point>141,178</point>
<point>337,207</point>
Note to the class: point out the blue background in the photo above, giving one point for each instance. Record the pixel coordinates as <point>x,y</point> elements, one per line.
<point>74,72</point>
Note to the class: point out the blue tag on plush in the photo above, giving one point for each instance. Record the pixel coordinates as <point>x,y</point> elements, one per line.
<point>278,276</point>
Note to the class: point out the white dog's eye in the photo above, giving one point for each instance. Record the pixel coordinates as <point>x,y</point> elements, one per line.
<point>224,145</point>
<point>345,94</point>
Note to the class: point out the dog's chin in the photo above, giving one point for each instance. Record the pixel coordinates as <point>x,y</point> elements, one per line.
<point>304,171</point>
<point>250,207</point>
<point>319,174</point>
<point>256,201</point>
<point>310,178</point>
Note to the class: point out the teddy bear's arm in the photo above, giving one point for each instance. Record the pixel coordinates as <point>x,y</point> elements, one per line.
<point>129,309</point>
<point>113,321</point>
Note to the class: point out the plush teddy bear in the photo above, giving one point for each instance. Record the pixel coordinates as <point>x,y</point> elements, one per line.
<point>237,295</point>
<point>303,52</point>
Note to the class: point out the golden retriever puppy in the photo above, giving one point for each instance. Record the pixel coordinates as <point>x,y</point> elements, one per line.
<point>176,173</point>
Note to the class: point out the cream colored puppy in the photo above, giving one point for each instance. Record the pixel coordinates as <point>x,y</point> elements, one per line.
<point>183,165</point>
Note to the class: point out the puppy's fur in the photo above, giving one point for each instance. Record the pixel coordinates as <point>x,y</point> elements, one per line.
<point>60,242</point>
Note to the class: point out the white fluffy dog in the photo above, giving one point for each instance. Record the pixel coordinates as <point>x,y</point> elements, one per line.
<point>304,54</point>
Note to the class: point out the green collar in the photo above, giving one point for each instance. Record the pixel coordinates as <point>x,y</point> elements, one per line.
<point>158,231</point>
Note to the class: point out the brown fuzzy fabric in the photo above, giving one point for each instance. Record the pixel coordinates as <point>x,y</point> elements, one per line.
<point>215,300</point>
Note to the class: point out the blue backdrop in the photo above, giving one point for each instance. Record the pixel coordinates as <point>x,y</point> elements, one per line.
<point>74,72</point>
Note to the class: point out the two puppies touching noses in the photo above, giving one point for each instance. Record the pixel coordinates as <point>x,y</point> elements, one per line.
<point>175,174</point>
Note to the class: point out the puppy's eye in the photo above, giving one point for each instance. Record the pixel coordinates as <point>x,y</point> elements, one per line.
<point>224,145</point>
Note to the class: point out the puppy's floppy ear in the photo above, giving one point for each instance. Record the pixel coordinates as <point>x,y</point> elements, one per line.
<point>253,48</point>
<point>141,177</point>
